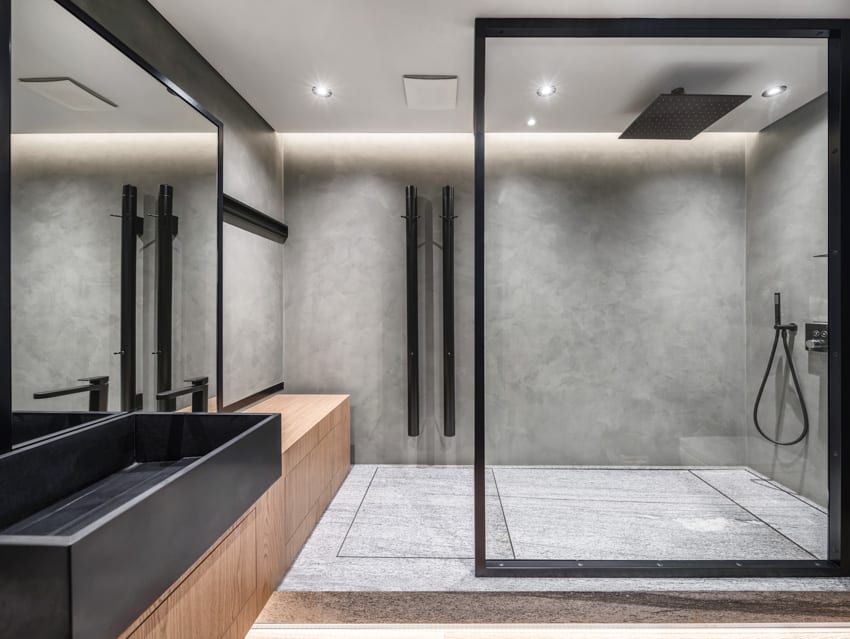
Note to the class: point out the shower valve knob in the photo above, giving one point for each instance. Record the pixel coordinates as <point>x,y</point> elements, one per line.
<point>815,344</point>
<point>817,337</point>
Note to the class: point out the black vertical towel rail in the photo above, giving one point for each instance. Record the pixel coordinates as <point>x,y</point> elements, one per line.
<point>166,230</point>
<point>448,311</point>
<point>132,226</point>
<point>411,218</point>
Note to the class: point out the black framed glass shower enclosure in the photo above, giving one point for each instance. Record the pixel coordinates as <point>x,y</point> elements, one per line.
<point>659,309</point>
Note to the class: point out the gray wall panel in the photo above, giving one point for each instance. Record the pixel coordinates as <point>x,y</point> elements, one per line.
<point>615,293</point>
<point>787,225</point>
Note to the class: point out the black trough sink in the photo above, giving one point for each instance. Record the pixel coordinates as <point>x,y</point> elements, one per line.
<point>96,523</point>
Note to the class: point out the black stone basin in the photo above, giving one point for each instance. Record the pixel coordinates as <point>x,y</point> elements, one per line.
<point>98,522</point>
<point>27,426</point>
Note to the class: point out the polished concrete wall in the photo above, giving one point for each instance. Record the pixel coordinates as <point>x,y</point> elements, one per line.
<point>614,297</point>
<point>786,227</point>
<point>66,259</point>
<point>345,286</point>
<point>252,174</point>
<point>615,293</point>
<point>253,322</point>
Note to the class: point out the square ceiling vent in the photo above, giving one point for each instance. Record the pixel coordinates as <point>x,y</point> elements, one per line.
<point>430,92</point>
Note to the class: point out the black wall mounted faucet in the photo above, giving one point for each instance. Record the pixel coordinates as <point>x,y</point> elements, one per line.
<point>199,389</point>
<point>97,388</point>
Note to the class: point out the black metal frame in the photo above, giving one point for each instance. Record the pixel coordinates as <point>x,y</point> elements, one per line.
<point>5,201</point>
<point>5,229</point>
<point>838,34</point>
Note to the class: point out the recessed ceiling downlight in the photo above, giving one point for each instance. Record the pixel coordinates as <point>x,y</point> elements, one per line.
<point>547,90</point>
<point>531,122</point>
<point>322,91</point>
<point>774,91</point>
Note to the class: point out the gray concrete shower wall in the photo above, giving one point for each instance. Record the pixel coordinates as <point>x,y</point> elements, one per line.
<point>614,298</point>
<point>615,293</point>
<point>252,173</point>
<point>786,227</point>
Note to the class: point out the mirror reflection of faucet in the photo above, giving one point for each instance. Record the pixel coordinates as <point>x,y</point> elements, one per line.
<point>97,387</point>
<point>199,389</point>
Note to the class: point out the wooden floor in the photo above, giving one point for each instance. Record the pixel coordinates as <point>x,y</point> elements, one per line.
<point>552,632</point>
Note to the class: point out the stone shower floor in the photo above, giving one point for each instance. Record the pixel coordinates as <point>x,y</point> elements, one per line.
<point>409,528</point>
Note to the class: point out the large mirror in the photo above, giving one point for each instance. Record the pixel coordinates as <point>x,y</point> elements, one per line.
<point>114,218</point>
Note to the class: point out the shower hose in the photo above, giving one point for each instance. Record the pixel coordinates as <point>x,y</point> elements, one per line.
<point>781,332</point>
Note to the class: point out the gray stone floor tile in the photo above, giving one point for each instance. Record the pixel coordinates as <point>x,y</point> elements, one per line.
<point>651,518</point>
<point>611,484</point>
<point>571,529</point>
<point>795,517</point>
<point>421,512</point>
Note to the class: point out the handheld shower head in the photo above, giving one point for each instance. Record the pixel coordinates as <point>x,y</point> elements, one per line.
<point>777,309</point>
<point>780,333</point>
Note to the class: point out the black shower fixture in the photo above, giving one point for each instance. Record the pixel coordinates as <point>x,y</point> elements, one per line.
<point>680,116</point>
<point>781,332</point>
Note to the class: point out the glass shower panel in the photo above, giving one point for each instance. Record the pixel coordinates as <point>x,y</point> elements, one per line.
<point>629,299</point>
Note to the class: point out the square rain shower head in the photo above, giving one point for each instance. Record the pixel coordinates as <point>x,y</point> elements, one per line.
<point>680,116</point>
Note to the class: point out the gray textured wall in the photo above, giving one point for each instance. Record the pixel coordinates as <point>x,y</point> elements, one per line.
<point>252,173</point>
<point>253,321</point>
<point>787,225</point>
<point>345,293</point>
<point>614,297</point>
<point>66,258</point>
<point>615,292</point>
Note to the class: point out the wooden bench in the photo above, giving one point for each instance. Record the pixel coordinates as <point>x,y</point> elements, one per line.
<point>223,592</point>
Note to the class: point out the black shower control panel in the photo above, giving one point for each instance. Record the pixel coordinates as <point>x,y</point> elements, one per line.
<point>817,337</point>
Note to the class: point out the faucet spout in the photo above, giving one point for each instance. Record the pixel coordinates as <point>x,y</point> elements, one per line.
<point>97,387</point>
<point>198,388</point>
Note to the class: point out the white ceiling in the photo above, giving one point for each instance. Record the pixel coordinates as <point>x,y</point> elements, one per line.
<point>47,41</point>
<point>273,51</point>
<point>604,83</point>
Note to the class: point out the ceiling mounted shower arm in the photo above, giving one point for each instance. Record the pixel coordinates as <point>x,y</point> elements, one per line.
<point>411,218</point>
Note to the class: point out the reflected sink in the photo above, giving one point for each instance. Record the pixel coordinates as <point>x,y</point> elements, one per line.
<point>30,425</point>
<point>96,523</point>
